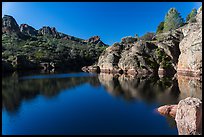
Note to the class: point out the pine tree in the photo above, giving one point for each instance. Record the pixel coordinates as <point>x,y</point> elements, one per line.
<point>160,28</point>
<point>173,20</point>
<point>191,15</point>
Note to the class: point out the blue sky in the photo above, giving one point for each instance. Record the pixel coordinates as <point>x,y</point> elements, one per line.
<point>110,20</point>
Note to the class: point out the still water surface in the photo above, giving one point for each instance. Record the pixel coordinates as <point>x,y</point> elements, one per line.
<point>82,103</point>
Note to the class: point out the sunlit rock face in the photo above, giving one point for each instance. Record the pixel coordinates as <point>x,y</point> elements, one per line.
<point>189,116</point>
<point>189,87</point>
<point>190,59</point>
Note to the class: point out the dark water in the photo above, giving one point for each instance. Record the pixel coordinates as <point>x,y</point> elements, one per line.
<point>82,103</point>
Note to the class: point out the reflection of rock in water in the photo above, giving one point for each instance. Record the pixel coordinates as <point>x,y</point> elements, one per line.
<point>190,87</point>
<point>14,90</point>
<point>111,83</point>
<point>149,88</point>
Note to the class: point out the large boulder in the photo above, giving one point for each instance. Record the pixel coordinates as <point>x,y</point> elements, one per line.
<point>190,59</point>
<point>189,116</point>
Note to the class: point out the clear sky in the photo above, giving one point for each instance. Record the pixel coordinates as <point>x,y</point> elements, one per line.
<point>110,20</point>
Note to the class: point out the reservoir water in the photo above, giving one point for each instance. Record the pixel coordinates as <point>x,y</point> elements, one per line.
<point>84,103</point>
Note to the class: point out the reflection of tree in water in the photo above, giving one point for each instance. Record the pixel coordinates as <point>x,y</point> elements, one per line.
<point>15,90</point>
<point>147,88</point>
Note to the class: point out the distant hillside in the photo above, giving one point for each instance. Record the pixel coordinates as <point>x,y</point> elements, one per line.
<point>24,47</point>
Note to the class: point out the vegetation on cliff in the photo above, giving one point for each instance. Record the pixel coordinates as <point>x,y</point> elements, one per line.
<point>27,48</point>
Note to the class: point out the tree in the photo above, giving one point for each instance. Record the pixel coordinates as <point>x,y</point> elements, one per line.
<point>160,28</point>
<point>173,20</point>
<point>191,16</point>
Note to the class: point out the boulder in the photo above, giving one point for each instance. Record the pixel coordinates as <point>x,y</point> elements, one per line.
<point>168,110</point>
<point>189,116</point>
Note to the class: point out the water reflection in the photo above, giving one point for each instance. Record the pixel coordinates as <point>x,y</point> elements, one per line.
<point>146,88</point>
<point>149,89</point>
<point>16,88</point>
<point>165,90</point>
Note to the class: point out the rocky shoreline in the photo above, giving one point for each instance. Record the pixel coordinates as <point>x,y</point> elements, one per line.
<point>187,114</point>
<point>176,51</point>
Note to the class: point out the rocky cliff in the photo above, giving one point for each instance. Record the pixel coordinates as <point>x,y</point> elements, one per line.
<point>24,47</point>
<point>174,51</point>
<point>9,25</point>
<point>190,59</point>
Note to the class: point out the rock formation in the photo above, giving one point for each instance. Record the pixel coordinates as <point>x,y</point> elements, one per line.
<point>9,25</point>
<point>28,30</point>
<point>46,30</point>
<point>133,56</point>
<point>187,114</point>
<point>190,59</point>
<point>177,50</point>
<point>169,42</point>
<point>24,47</point>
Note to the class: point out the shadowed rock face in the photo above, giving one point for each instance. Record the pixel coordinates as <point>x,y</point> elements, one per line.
<point>169,42</point>
<point>190,59</point>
